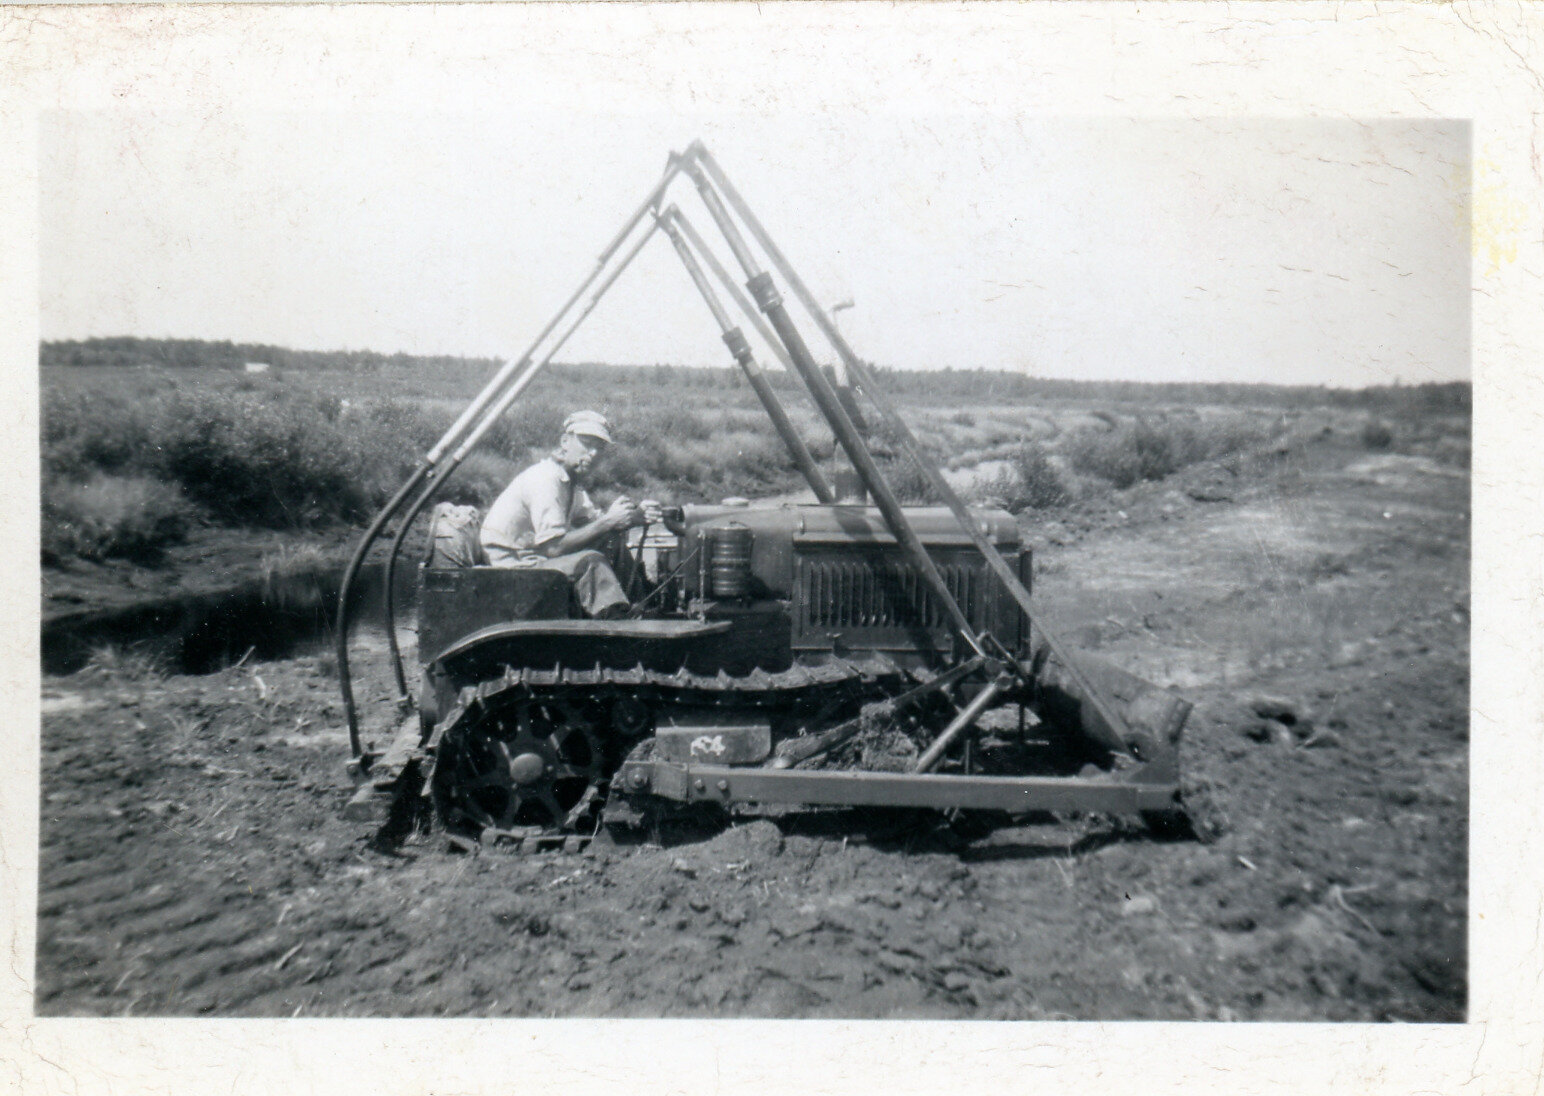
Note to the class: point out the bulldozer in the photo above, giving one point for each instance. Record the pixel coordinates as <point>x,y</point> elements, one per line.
<point>849,651</point>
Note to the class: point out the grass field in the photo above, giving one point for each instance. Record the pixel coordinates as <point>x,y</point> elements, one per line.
<point>144,440</point>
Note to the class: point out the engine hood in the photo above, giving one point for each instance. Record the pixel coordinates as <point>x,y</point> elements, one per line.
<point>815,524</point>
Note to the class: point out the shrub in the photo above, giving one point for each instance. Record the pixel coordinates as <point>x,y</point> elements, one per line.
<point>672,421</point>
<point>410,424</point>
<point>529,424</point>
<point>1133,452</point>
<point>99,434</point>
<point>1040,484</point>
<point>997,490</point>
<point>285,460</point>
<point>480,480</point>
<point>271,458</point>
<point>1377,435</point>
<point>1109,455</point>
<point>730,459</point>
<point>883,437</point>
<point>759,465</point>
<point>908,482</point>
<point>134,517</point>
<point>1028,480</point>
<point>261,462</point>
<point>632,467</point>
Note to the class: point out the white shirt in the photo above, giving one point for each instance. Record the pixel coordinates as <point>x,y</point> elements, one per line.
<point>540,505</point>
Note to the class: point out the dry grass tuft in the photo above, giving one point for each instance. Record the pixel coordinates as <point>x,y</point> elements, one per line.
<point>125,664</point>
<point>132,517</point>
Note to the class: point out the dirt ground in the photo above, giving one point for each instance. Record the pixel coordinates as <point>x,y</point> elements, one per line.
<point>194,859</point>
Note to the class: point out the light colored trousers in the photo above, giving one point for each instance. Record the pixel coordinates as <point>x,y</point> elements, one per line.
<point>595,584</point>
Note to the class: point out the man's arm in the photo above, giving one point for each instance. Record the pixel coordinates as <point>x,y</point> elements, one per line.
<point>621,514</point>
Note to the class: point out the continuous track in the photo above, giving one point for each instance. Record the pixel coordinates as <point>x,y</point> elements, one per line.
<point>528,754</point>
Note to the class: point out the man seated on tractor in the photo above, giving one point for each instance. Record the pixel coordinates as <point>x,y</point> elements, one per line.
<point>545,518</point>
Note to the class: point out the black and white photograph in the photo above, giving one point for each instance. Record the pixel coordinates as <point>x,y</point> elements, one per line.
<point>763,548</point>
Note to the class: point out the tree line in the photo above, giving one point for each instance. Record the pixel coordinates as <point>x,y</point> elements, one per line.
<point>966,385</point>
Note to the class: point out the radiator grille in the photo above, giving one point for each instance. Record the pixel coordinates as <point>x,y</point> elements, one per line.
<point>847,593</point>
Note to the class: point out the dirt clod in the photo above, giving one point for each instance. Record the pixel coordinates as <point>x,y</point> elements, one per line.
<point>1273,707</point>
<point>752,841</point>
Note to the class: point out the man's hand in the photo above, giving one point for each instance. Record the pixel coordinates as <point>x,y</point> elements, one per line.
<point>655,513</point>
<point>624,513</point>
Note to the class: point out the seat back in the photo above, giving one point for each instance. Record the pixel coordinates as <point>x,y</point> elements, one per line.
<point>456,601</point>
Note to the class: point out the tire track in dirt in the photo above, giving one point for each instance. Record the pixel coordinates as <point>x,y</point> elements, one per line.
<point>147,902</point>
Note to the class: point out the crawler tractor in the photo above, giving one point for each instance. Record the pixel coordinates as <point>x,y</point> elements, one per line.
<point>850,651</point>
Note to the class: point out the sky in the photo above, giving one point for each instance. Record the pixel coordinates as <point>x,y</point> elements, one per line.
<point>1291,251</point>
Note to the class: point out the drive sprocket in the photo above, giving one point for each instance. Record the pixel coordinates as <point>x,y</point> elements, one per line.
<point>520,763</point>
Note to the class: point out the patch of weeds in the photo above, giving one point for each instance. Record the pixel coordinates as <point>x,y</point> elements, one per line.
<point>287,560</point>
<point>294,579</point>
<point>125,664</point>
<point>131,517</point>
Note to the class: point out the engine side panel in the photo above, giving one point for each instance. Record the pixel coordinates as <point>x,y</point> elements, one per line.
<point>852,597</point>
<point>779,534</point>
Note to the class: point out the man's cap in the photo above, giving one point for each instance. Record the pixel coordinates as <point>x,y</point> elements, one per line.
<point>590,423</point>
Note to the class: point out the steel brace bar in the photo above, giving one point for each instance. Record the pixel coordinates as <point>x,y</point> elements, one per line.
<point>469,425</point>
<point>670,220</point>
<point>475,434</point>
<point>759,283</point>
<point>1117,733</point>
<point>849,788</point>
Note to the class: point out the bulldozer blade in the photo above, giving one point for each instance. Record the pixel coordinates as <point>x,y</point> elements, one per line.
<point>1154,716</point>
